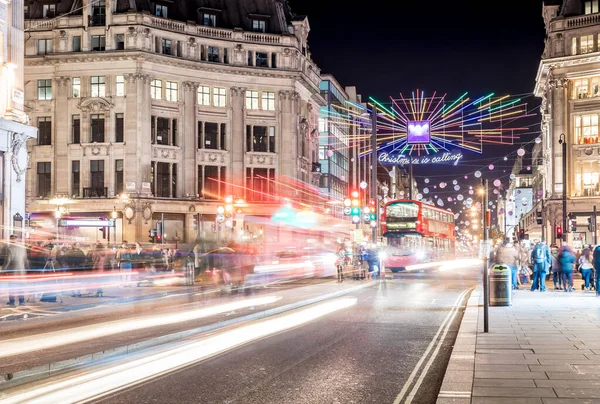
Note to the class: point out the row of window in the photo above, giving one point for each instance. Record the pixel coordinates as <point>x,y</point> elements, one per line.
<point>97,87</point>
<point>96,132</point>
<point>584,44</point>
<point>586,88</point>
<point>586,129</point>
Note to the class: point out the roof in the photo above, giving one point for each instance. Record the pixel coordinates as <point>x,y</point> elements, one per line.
<point>230,13</point>
<point>571,7</point>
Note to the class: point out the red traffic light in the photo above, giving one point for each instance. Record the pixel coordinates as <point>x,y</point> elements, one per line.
<point>355,194</point>
<point>372,202</point>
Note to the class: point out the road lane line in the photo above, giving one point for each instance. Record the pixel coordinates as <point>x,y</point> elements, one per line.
<point>413,374</point>
<point>425,370</point>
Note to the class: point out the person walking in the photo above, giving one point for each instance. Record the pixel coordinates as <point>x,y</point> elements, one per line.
<point>507,254</point>
<point>596,263</point>
<point>555,268</point>
<point>16,265</point>
<point>586,267</point>
<point>567,260</point>
<point>540,257</point>
<point>99,263</point>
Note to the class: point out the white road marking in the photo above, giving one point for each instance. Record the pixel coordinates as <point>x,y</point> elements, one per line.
<point>447,321</point>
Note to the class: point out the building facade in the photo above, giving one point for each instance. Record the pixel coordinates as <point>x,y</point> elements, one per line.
<point>14,128</point>
<point>155,111</point>
<point>568,82</point>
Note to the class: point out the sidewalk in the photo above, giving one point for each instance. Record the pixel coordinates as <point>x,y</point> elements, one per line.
<point>544,349</point>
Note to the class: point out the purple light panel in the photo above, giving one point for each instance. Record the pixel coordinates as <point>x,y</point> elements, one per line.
<point>418,132</point>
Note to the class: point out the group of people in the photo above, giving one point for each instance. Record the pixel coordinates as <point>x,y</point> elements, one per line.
<point>540,260</point>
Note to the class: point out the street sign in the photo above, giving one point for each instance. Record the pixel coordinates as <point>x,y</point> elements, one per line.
<point>366,218</point>
<point>347,211</point>
<point>220,218</point>
<point>85,223</point>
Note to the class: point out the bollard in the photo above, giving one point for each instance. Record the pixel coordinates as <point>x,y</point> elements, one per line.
<point>500,285</point>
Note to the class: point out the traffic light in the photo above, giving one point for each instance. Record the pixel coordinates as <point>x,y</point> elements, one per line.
<point>572,224</point>
<point>559,232</point>
<point>355,211</point>
<point>159,231</point>
<point>538,216</point>
<point>521,234</point>
<point>152,235</point>
<point>590,224</point>
<point>373,217</point>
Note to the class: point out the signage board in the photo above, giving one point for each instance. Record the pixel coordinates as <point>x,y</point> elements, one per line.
<point>130,186</point>
<point>450,157</point>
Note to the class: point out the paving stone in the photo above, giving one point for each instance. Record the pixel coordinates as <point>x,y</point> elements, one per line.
<point>564,357</point>
<point>568,383</point>
<point>504,400</point>
<point>505,383</point>
<point>503,351</point>
<point>502,368</point>
<point>562,392</point>
<point>552,368</point>
<point>569,401</point>
<point>521,392</point>
<point>572,376</point>
<point>459,376</point>
<point>501,360</point>
<point>444,400</point>
<point>552,362</point>
<point>510,375</point>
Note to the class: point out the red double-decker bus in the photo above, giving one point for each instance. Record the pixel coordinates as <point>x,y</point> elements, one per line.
<point>416,233</point>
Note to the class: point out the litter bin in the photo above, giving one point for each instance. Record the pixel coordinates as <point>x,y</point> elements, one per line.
<point>500,285</point>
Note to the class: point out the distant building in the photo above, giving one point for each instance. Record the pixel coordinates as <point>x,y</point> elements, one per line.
<point>14,128</point>
<point>568,82</point>
<point>157,110</point>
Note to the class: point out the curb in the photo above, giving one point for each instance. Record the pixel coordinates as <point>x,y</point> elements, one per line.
<point>8,379</point>
<point>458,379</point>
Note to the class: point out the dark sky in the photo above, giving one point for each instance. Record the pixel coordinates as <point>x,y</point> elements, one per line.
<point>387,47</point>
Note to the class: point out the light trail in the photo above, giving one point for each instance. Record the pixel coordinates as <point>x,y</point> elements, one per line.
<point>95,384</point>
<point>444,265</point>
<point>53,339</point>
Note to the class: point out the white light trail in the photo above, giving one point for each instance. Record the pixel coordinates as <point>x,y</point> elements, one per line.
<point>108,380</point>
<point>37,342</point>
<point>445,265</point>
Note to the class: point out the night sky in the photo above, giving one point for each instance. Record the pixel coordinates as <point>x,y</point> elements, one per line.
<point>384,48</point>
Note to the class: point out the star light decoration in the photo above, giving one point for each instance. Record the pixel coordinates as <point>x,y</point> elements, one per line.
<point>419,125</point>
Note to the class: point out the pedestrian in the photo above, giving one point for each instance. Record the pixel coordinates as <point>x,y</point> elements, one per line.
<point>596,263</point>
<point>555,268</point>
<point>16,265</point>
<point>540,257</point>
<point>507,254</point>
<point>567,260</point>
<point>124,259</point>
<point>99,263</point>
<point>586,266</point>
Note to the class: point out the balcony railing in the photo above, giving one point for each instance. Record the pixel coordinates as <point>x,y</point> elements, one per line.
<point>95,192</point>
<point>583,20</point>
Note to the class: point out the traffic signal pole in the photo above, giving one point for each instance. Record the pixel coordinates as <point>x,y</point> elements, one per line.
<point>594,227</point>
<point>563,141</point>
<point>374,168</point>
<point>486,285</point>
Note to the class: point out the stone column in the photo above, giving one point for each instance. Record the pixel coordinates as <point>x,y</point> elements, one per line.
<point>287,134</point>
<point>559,126</point>
<point>188,139</point>
<point>61,136</point>
<point>237,143</point>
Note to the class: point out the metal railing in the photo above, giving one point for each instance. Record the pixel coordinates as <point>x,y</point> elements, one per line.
<point>95,192</point>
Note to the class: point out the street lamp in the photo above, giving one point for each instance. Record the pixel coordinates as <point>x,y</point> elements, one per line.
<point>562,140</point>
<point>483,191</point>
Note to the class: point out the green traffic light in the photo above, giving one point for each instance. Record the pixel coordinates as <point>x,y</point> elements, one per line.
<point>355,212</point>
<point>372,216</point>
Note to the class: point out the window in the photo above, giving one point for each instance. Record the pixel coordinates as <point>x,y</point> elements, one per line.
<point>574,46</point>
<point>268,101</point>
<point>120,42</point>
<point>209,19</point>
<point>119,177</point>
<point>211,182</point>
<point>44,46</point>
<point>49,10</point>
<point>590,7</point>
<point>262,59</point>
<point>44,89</point>
<point>251,99</point>
<point>161,11</point>
<point>219,97</point>
<point>213,54</point>
<point>260,184</point>
<point>98,13</point>
<point>97,128</point>
<point>259,26</point>
<point>76,87</point>
<point>203,95</point>
<point>160,180</point>
<point>273,60</point>
<point>586,44</point>
<point>44,131</point>
<point>98,86</point>
<point>76,44</point>
<point>76,125</point>
<point>120,86</point>
<point>580,88</point>
<point>260,138</point>
<point>595,87</point>
<point>250,60</point>
<point>119,129</point>
<point>98,42</point>
<point>171,91</point>
<point>166,47</point>
<point>587,178</point>
<point>97,178</point>
<point>586,129</point>
<point>26,12</point>
<point>75,178</point>
<point>156,89</point>
<point>162,131</point>
<point>211,135</point>
<point>44,177</point>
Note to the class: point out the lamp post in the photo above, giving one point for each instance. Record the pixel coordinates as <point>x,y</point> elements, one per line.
<point>484,212</point>
<point>563,141</point>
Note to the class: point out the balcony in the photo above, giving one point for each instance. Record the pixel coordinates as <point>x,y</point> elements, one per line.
<point>95,192</point>
<point>583,20</point>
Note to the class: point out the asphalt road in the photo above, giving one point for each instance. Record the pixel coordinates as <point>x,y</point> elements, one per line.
<point>363,354</point>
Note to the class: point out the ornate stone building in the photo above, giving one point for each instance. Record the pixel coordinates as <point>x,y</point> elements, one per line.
<point>568,82</point>
<point>157,110</point>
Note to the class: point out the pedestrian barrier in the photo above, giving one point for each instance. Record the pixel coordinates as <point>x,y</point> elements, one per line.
<point>500,285</point>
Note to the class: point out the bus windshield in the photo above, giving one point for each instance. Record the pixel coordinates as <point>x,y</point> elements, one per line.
<point>401,211</point>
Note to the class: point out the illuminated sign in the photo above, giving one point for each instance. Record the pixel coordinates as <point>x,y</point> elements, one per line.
<point>406,225</point>
<point>86,223</point>
<point>417,132</point>
<point>453,157</point>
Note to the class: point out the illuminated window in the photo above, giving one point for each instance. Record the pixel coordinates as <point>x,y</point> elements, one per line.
<point>586,129</point>
<point>98,86</point>
<point>574,46</point>
<point>268,101</point>
<point>219,97</point>
<point>587,179</point>
<point>156,89</point>
<point>595,87</point>
<point>251,99</point>
<point>171,91</point>
<point>586,44</point>
<point>120,86</point>
<point>580,88</point>
<point>590,7</point>
<point>204,95</point>
<point>44,89</point>
<point>76,87</point>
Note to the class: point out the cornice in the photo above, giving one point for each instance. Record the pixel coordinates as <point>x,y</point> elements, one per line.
<point>546,65</point>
